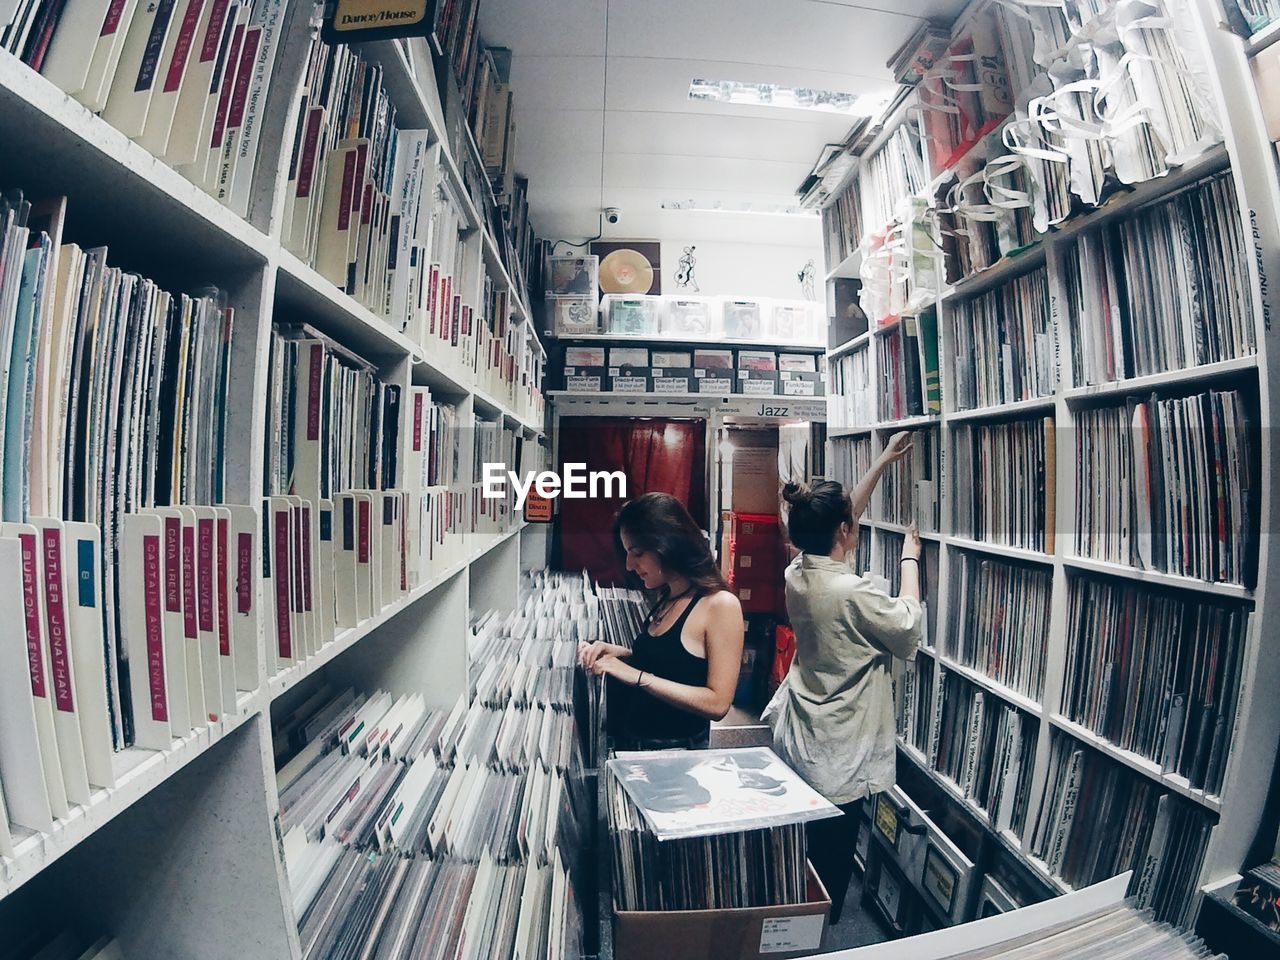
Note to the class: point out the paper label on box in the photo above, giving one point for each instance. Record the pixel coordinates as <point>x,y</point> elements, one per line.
<point>630,385</point>
<point>670,385</point>
<point>581,384</point>
<point>715,385</point>
<point>799,388</point>
<point>762,388</point>
<point>699,372</point>
<point>656,371</point>
<point>785,934</point>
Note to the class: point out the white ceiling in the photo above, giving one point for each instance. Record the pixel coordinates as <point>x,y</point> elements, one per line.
<point>603,116</point>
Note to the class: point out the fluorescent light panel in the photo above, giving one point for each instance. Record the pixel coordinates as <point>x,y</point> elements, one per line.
<point>791,98</point>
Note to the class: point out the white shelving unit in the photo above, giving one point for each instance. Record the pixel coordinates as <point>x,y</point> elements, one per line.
<point>183,856</point>
<point>1252,160</point>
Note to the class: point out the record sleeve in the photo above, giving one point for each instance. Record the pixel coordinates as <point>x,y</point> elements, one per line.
<point>705,792</point>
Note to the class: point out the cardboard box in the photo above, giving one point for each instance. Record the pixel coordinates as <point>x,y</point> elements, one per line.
<point>626,380</point>
<point>757,383</point>
<point>713,384</point>
<point>794,383</point>
<point>761,597</point>
<point>748,933</point>
<point>672,380</point>
<point>628,357</point>
<point>754,480</point>
<point>584,379</point>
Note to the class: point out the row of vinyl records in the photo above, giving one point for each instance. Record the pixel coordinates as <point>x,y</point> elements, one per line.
<point>1159,292</point>
<point>1092,819</point>
<point>1154,671</point>
<point>197,584</point>
<point>366,202</point>
<point>1049,93</point>
<point>1160,484</point>
<point>411,831</point>
<point>145,604</point>
<point>334,423</point>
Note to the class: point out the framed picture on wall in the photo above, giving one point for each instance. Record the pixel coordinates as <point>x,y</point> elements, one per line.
<point>629,266</point>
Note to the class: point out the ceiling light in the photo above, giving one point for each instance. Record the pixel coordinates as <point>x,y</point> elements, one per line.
<point>793,98</point>
<point>718,206</point>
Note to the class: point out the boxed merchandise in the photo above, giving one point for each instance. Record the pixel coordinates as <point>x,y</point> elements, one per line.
<point>572,276</point>
<point>758,383</point>
<point>672,358</point>
<point>756,547</point>
<point>797,383</point>
<point>573,316</point>
<point>713,381</point>
<point>584,356</point>
<point>628,357</point>
<point>743,933</point>
<point>798,362</point>
<point>673,380</point>
<point>791,321</point>
<point>630,315</point>
<point>693,317</point>
<point>753,479</point>
<point>584,379</point>
<point>713,359</point>
<point>757,360</point>
<point>743,320</point>
<point>628,380</point>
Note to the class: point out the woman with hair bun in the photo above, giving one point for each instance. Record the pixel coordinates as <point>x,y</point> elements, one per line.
<point>833,717</point>
<point>683,669</point>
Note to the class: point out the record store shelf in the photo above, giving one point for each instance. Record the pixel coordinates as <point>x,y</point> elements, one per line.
<point>1005,838</point>
<point>1231,590</point>
<point>1173,782</point>
<point>1206,373</point>
<point>68,150</point>
<point>144,770</point>
<point>1000,550</point>
<point>675,342</point>
<point>849,346</point>
<point>156,220</point>
<point>1018,408</point>
<point>1233,809</point>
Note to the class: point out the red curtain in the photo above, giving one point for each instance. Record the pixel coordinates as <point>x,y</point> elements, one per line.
<point>668,456</point>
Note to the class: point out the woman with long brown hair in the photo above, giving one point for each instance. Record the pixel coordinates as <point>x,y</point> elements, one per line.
<point>683,669</point>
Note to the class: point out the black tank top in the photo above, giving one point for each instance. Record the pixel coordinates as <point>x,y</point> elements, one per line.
<point>643,716</point>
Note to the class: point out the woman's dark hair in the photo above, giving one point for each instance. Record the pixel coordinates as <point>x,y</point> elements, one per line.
<point>659,522</point>
<point>816,514</point>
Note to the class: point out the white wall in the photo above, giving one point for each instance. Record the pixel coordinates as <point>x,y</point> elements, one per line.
<point>743,269</point>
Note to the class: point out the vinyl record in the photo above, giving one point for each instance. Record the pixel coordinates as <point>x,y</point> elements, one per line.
<point>626,271</point>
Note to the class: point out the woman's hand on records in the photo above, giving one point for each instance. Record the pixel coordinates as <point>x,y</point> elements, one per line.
<point>589,653</point>
<point>911,546</point>
<point>612,666</point>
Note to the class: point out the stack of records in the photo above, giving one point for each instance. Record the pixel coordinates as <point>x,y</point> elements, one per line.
<point>709,829</point>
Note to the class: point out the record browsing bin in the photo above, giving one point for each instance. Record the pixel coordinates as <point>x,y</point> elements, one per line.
<point>743,933</point>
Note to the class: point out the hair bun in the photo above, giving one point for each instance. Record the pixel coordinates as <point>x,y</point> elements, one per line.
<point>796,493</point>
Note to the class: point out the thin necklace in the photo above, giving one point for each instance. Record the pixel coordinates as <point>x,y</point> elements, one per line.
<point>668,603</point>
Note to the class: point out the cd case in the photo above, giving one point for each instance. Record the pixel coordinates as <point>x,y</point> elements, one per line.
<point>697,793</point>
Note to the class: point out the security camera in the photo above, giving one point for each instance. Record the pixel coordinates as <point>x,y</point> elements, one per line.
<point>613,214</point>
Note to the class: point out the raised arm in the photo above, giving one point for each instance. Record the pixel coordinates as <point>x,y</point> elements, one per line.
<point>897,447</point>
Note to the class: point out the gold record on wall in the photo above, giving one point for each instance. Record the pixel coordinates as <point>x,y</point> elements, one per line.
<point>626,271</point>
